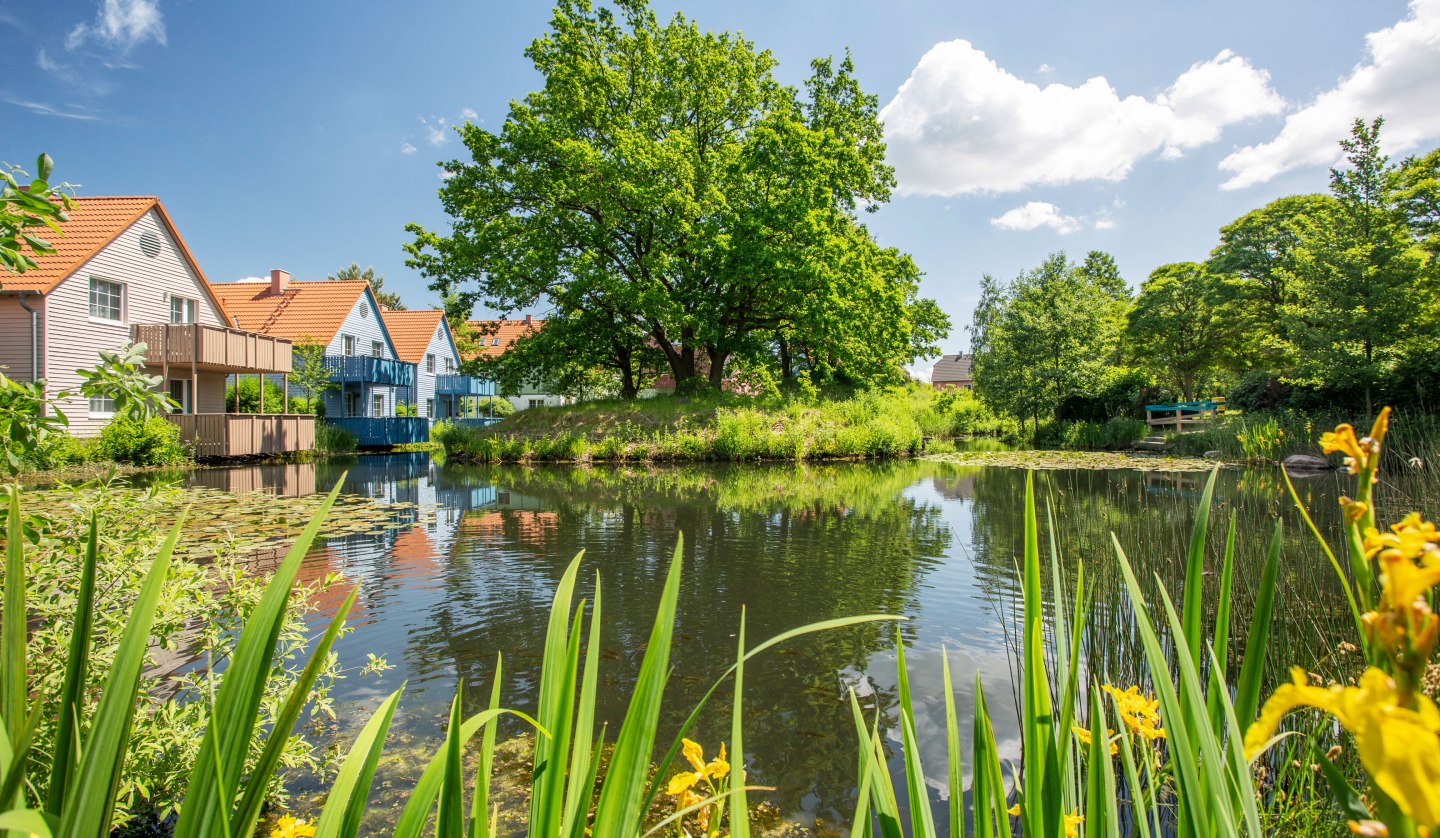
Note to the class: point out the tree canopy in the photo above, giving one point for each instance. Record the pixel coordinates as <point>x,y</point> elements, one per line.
<point>664,193</point>
<point>1181,325</point>
<point>352,272</point>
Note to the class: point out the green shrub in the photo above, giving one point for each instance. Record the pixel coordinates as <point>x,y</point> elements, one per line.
<point>331,439</point>
<point>155,442</point>
<point>610,448</point>
<point>250,397</point>
<point>1258,390</point>
<point>60,450</point>
<point>497,407</point>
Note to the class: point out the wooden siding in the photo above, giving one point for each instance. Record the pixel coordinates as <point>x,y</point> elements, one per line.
<point>73,341</point>
<point>364,329</point>
<point>212,347</point>
<point>245,434</point>
<point>15,347</point>
<point>442,346</point>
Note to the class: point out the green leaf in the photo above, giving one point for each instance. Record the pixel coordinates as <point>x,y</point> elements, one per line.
<point>1252,667</point>
<point>450,823</point>
<point>922,821</point>
<point>739,805</point>
<point>66,748</point>
<point>345,803</point>
<point>558,673</point>
<point>1195,572</point>
<point>15,670</point>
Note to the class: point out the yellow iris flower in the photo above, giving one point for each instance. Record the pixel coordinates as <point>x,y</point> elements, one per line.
<point>1360,454</point>
<point>1085,738</point>
<point>682,785</point>
<point>1399,747</point>
<point>1139,713</point>
<point>290,826</point>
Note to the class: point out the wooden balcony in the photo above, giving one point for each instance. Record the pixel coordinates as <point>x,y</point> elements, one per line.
<point>245,434</point>
<point>370,370</point>
<point>451,384</point>
<point>212,348</point>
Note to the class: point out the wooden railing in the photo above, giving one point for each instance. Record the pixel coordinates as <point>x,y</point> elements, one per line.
<point>215,347</point>
<point>452,384</point>
<point>245,434</point>
<point>370,369</point>
<point>384,431</point>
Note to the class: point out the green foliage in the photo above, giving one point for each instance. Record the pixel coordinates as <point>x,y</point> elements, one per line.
<point>309,374</point>
<point>699,247</point>
<point>153,442</point>
<point>25,208</point>
<point>274,398</point>
<point>330,439</point>
<point>26,427</point>
<point>1259,390</point>
<point>1181,325</point>
<point>121,376</point>
<point>1115,433</point>
<point>353,272</point>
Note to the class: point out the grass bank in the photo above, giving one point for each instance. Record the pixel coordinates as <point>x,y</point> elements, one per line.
<point>881,424</point>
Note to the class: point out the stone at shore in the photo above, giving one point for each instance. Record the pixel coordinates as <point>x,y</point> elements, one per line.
<point>1307,462</point>
<point>1213,454</point>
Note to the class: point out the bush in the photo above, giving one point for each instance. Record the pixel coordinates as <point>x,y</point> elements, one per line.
<point>155,442</point>
<point>1258,390</point>
<point>59,450</point>
<point>250,397</point>
<point>496,407</point>
<point>330,439</point>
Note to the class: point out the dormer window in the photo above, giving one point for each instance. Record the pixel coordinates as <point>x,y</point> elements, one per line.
<point>347,344</point>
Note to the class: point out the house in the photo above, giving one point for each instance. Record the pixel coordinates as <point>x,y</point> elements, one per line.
<point>494,338</point>
<point>345,318</point>
<point>423,338</point>
<point>121,273</point>
<point>952,372</point>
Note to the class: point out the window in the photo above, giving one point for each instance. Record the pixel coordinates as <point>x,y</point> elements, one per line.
<point>494,341</point>
<point>449,365</point>
<point>182,310</point>
<point>377,349</point>
<point>106,300</point>
<point>537,402</point>
<point>180,395</point>
<point>102,406</point>
<point>352,403</point>
<point>430,363</point>
<point>430,408</point>
<point>347,343</point>
<point>377,405</point>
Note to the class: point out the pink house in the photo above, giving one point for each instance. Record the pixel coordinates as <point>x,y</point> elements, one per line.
<point>122,273</point>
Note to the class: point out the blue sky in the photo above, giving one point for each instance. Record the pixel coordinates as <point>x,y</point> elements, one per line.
<point>303,135</point>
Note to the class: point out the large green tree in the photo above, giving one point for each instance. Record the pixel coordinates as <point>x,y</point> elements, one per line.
<point>662,175</point>
<point>1047,335</point>
<point>1181,324</point>
<point>353,271</point>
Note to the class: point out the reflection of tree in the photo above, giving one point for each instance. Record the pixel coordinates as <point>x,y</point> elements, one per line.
<point>795,544</point>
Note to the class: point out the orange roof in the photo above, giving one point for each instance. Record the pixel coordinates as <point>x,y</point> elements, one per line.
<point>312,310</point>
<point>411,332</point>
<point>494,337</point>
<point>94,222</point>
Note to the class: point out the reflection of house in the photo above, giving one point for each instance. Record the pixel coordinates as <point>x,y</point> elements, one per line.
<point>344,317</point>
<point>120,272</point>
<point>954,488</point>
<point>286,480</point>
<point>494,338</point>
<point>423,338</point>
<point>952,372</point>
<point>526,527</point>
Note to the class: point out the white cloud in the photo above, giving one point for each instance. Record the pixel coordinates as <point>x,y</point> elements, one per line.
<point>1399,79</point>
<point>962,124</point>
<point>921,372</point>
<point>1045,68</point>
<point>43,109</point>
<point>435,131</point>
<point>469,114</point>
<point>1104,224</point>
<point>1037,214</point>
<point>122,24</point>
<point>406,148</point>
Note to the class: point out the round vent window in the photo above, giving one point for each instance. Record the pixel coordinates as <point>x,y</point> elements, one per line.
<point>149,244</point>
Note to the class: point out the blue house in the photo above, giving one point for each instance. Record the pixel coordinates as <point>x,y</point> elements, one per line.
<point>424,339</point>
<point>373,382</point>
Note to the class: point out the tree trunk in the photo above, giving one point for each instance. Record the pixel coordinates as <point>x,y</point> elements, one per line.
<point>787,375</point>
<point>717,369</point>
<point>681,360</point>
<point>1187,386</point>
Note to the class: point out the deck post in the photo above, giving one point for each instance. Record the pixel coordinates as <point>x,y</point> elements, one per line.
<point>195,371</point>
<point>285,387</point>
<point>165,360</point>
<point>261,378</point>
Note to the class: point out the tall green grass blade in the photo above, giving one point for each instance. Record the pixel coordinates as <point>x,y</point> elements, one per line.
<point>14,669</point>
<point>1043,798</point>
<point>956,779</point>
<point>1143,815</point>
<point>1072,682</point>
<point>1342,794</point>
<point>621,796</point>
<point>1194,593</point>
<point>1239,781</point>
<point>253,800</point>
<point>13,760</point>
<point>1252,667</point>
<point>422,798</point>
<point>236,707</point>
<point>739,803</point>
<point>556,709</point>
<point>578,793</point>
<point>922,821</point>
<point>987,788</point>
<point>65,751</point>
<point>345,804</point>
<point>1356,613</point>
<point>1101,818</point>
<point>1220,647</point>
<point>450,822</point>
<point>90,802</point>
<point>480,802</point>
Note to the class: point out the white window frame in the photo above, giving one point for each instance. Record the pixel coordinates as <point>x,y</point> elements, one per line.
<point>430,363</point>
<point>540,402</point>
<point>377,349</point>
<point>449,365</point>
<point>90,301</point>
<point>189,310</point>
<point>347,345</point>
<point>377,404</point>
<point>102,411</point>
<point>430,408</point>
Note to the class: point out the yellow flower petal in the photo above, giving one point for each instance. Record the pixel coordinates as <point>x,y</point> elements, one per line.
<point>1013,811</point>
<point>693,753</point>
<point>681,782</point>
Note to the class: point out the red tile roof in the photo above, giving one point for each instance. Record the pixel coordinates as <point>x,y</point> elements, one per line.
<point>494,337</point>
<point>312,310</point>
<point>94,222</point>
<point>411,332</point>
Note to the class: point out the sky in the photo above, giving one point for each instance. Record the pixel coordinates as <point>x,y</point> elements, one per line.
<point>305,134</point>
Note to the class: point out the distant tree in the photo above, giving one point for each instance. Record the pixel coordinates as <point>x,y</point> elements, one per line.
<point>664,174</point>
<point>309,374</point>
<point>389,299</point>
<point>1417,192</point>
<point>1049,334</point>
<point>25,209</point>
<point>1180,324</point>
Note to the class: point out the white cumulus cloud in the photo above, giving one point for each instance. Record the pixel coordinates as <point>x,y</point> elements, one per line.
<point>122,24</point>
<point>1037,214</point>
<point>470,114</point>
<point>435,131</point>
<point>406,148</point>
<point>962,124</point>
<point>1399,79</point>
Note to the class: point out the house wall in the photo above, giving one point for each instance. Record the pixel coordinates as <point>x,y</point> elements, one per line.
<point>363,322</point>
<point>15,346</point>
<point>442,346</point>
<point>73,340</point>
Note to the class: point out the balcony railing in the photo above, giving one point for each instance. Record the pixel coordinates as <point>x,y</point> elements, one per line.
<point>377,431</point>
<point>211,347</point>
<point>463,385</point>
<point>244,434</point>
<point>370,370</point>
<point>476,421</point>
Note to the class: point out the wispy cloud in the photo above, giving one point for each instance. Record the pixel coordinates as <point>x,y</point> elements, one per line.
<point>435,131</point>
<point>53,110</point>
<point>1037,214</point>
<point>470,114</point>
<point>9,19</point>
<point>406,148</point>
<point>122,25</point>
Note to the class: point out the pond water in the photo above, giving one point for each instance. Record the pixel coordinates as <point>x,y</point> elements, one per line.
<point>471,574</point>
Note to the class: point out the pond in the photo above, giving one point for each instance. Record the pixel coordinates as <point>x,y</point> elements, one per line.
<point>471,573</point>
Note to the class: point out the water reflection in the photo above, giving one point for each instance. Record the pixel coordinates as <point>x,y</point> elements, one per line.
<point>470,569</point>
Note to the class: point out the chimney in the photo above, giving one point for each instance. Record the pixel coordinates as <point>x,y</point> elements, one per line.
<point>527,320</point>
<point>279,281</point>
